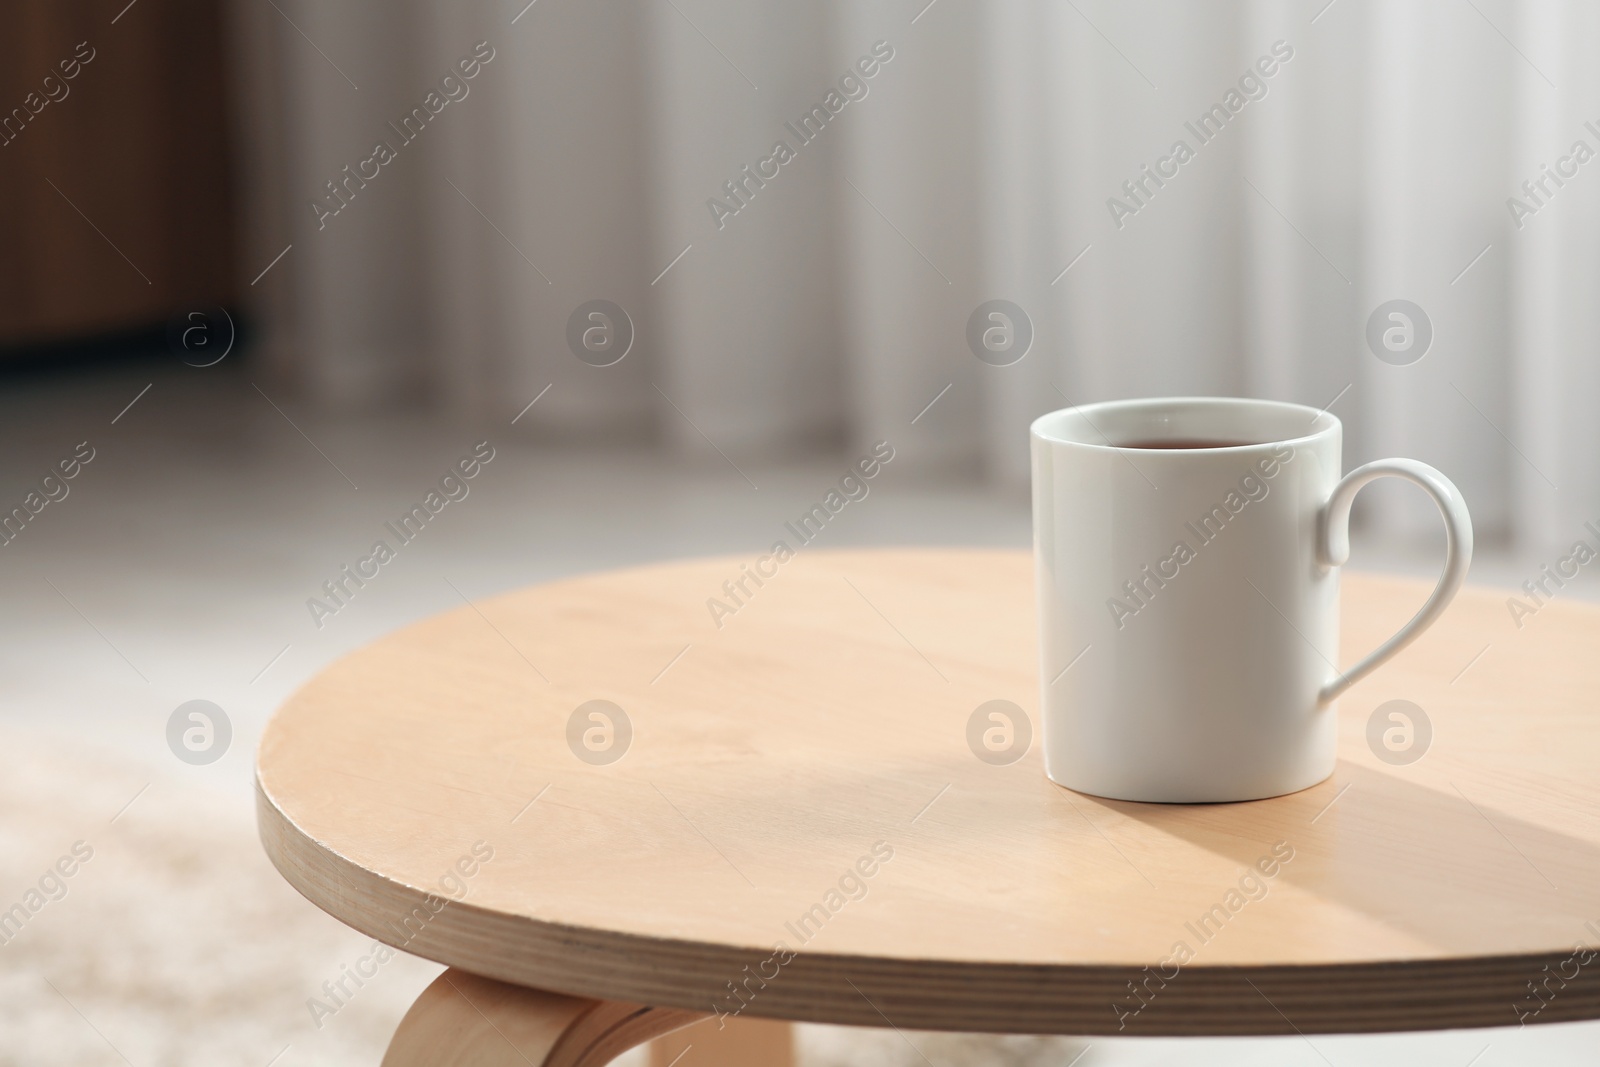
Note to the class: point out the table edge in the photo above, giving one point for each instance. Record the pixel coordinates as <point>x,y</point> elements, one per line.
<point>926,994</point>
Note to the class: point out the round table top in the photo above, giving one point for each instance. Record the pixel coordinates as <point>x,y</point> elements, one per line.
<point>798,826</point>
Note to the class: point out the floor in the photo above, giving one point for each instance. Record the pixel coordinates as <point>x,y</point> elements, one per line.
<point>178,566</point>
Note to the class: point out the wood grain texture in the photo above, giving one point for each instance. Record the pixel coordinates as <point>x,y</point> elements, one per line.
<point>829,715</point>
<point>462,1020</point>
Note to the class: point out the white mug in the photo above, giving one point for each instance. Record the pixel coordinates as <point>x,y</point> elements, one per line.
<point>1188,594</point>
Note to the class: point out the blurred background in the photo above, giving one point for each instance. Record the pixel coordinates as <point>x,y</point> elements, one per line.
<point>276,264</point>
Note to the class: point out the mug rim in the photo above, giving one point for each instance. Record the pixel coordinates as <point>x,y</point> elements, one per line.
<point>1323,423</point>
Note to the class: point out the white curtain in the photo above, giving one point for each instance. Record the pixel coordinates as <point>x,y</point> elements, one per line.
<point>833,305</point>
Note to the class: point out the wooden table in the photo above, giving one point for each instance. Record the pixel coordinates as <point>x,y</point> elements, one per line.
<point>799,828</point>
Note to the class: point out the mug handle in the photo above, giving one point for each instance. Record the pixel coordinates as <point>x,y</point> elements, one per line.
<point>1334,551</point>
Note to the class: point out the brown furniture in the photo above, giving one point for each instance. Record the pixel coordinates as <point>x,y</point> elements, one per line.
<point>800,827</point>
<point>113,167</point>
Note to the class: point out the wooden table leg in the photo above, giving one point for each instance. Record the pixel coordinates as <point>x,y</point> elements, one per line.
<point>739,1043</point>
<point>462,1020</point>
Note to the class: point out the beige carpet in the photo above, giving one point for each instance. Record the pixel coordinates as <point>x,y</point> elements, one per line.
<point>177,943</point>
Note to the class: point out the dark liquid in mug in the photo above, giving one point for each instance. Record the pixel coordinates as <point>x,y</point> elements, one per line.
<point>1186,443</point>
